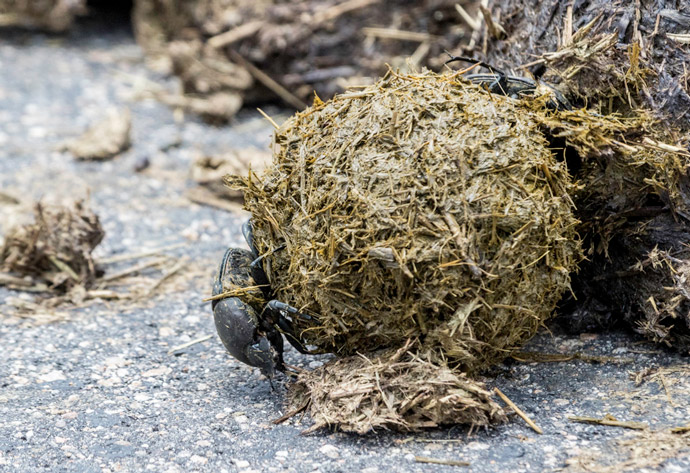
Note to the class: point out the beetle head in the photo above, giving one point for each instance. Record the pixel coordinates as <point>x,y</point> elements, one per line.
<point>264,356</point>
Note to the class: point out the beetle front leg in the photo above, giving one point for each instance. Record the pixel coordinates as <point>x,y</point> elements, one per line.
<point>286,327</point>
<point>274,308</point>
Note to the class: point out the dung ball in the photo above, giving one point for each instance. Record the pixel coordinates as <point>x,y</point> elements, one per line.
<point>421,207</point>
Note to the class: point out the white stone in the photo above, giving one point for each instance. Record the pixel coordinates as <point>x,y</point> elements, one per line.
<point>330,451</point>
<point>199,459</point>
<point>54,375</point>
<point>115,362</point>
<point>241,419</point>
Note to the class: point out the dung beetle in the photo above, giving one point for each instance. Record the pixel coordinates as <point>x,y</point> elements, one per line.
<point>498,82</point>
<point>250,326</point>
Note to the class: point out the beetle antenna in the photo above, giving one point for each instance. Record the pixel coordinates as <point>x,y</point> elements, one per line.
<point>494,70</point>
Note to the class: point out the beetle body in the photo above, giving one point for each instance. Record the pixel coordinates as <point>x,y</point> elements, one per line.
<point>249,322</point>
<point>239,324</point>
<point>498,82</point>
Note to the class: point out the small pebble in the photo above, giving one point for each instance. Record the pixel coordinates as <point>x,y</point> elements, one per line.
<point>330,451</point>
<point>141,164</point>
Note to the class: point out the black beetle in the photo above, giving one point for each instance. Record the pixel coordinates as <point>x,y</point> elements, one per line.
<point>251,329</point>
<point>498,82</point>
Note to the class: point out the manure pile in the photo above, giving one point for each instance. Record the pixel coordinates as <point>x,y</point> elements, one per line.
<point>422,206</point>
<point>56,249</point>
<point>615,55</point>
<point>52,15</point>
<point>230,52</point>
<point>430,228</point>
<point>624,59</point>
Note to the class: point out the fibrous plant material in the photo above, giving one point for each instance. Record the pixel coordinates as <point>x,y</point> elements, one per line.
<point>626,59</point>
<point>208,172</point>
<point>419,206</point>
<point>633,204</point>
<point>646,285</point>
<point>56,249</point>
<point>227,52</point>
<point>616,56</point>
<point>105,139</point>
<point>392,390</point>
<point>52,15</point>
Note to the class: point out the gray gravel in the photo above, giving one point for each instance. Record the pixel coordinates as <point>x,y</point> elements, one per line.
<point>98,391</point>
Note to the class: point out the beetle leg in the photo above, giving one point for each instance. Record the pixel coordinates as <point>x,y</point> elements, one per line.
<point>259,259</point>
<point>285,325</point>
<point>501,83</point>
<point>493,69</point>
<point>289,332</point>
<point>256,266</point>
<point>255,269</point>
<point>275,308</point>
<point>248,234</point>
<point>282,306</point>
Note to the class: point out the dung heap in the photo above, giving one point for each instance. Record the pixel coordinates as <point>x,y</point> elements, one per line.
<point>421,208</point>
<point>634,207</point>
<point>229,52</point>
<point>627,59</point>
<point>56,249</point>
<point>52,15</point>
<point>414,393</point>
